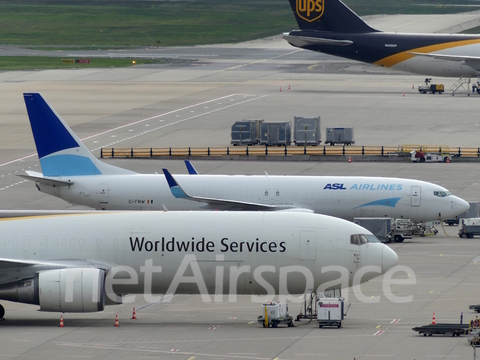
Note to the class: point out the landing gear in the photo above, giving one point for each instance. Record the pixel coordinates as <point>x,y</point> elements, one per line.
<point>2,312</point>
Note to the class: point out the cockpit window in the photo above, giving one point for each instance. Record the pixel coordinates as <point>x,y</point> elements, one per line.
<point>372,238</point>
<point>361,239</point>
<point>442,193</point>
<point>355,240</point>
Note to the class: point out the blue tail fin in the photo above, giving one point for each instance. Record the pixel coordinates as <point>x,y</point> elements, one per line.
<point>327,15</point>
<point>60,151</point>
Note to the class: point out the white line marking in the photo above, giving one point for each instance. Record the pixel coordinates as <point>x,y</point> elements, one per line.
<point>378,333</point>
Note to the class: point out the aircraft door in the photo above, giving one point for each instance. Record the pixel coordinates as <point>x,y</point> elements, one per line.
<point>416,196</point>
<point>356,251</point>
<point>308,245</point>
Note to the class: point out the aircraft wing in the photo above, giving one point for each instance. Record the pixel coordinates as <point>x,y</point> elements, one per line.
<point>36,176</point>
<point>472,61</point>
<point>301,41</point>
<point>179,193</point>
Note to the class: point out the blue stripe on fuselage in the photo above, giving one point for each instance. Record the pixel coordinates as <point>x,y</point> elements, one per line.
<point>390,202</point>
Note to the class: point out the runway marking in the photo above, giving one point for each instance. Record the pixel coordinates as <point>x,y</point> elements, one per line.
<point>310,354</point>
<point>378,333</point>
<point>186,119</point>
<point>102,346</point>
<point>395,321</point>
<point>378,326</point>
<point>213,327</point>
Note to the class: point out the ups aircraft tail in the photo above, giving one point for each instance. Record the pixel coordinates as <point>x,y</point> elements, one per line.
<point>328,15</point>
<point>60,151</point>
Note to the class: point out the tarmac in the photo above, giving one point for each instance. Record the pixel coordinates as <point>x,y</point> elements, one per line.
<point>193,101</point>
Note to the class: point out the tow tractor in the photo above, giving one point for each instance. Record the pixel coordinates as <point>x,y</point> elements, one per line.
<point>420,156</point>
<point>431,88</point>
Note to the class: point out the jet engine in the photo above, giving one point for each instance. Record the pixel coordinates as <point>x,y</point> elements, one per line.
<point>60,290</point>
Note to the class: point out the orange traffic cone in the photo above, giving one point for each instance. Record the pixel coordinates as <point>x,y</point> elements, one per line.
<point>116,320</point>
<point>134,316</point>
<point>404,93</point>
<point>61,321</point>
<point>280,89</point>
<point>448,160</point>
<point>288,86</point>
<point>349,159</point>
<point>434,322</point>
<point>413,87</point>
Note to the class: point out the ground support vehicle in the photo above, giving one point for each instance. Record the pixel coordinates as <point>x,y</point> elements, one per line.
<point>451,222</point>
<point>421,157</point>
<point>387,229</point>
<point>431,88</point>
<point>475,308</point>
<point>330,311</point>
<point>442,329</point>
<point>468,228</point>
<point>276,313</point>
<point>474,332</point>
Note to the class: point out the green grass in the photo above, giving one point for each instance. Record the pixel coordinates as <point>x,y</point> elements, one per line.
<point>131,23</point>
<point>32,62</point>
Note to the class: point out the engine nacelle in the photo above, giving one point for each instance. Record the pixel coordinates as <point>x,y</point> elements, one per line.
<point>71,290</point>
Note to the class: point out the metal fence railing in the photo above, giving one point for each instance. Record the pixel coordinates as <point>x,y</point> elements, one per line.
<point>401,150</point>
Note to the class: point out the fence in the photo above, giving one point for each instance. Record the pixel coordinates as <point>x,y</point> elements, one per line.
<point>401,150</point>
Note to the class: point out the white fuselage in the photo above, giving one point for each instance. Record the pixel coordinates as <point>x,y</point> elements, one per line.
<point>343,197</point>
<point>226,248</point>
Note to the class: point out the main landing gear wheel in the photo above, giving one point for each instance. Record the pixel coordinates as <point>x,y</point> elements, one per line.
<point>2,312</point>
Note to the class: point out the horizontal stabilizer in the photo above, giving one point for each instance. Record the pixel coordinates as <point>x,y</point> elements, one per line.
<point>302,41</point>
<point>38,177</point>
<point>179,193</point>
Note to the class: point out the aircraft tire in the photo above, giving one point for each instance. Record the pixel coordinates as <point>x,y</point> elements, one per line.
<point>2,312</point>
<point>398,238</point>
<point>445,159</point>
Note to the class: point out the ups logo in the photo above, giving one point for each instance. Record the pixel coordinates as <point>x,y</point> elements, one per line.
<point>310,10</point>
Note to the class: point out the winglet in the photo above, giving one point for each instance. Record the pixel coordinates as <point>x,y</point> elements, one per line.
<point>176,189</point>
<point>190,168</point>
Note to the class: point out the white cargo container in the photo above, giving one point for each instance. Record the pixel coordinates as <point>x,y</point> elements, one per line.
<point>330,311</point>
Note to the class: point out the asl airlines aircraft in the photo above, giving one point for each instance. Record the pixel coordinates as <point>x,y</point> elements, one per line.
<point>69,263</point>
<point>72,173</point>
<point>330,27</point>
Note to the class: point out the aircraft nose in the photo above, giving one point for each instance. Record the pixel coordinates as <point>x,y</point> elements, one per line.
<point>461,205</point>
<point>389,259</point>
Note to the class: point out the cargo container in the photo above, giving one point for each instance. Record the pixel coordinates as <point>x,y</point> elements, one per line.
<point>339,136</point>
<point>306,130</point>
<point>246,132</point>
<point>276,133</point>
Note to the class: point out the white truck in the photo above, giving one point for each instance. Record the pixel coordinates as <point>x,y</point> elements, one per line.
<point>330,311</point>
<point>421,157</point>
<point>468,228</point>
